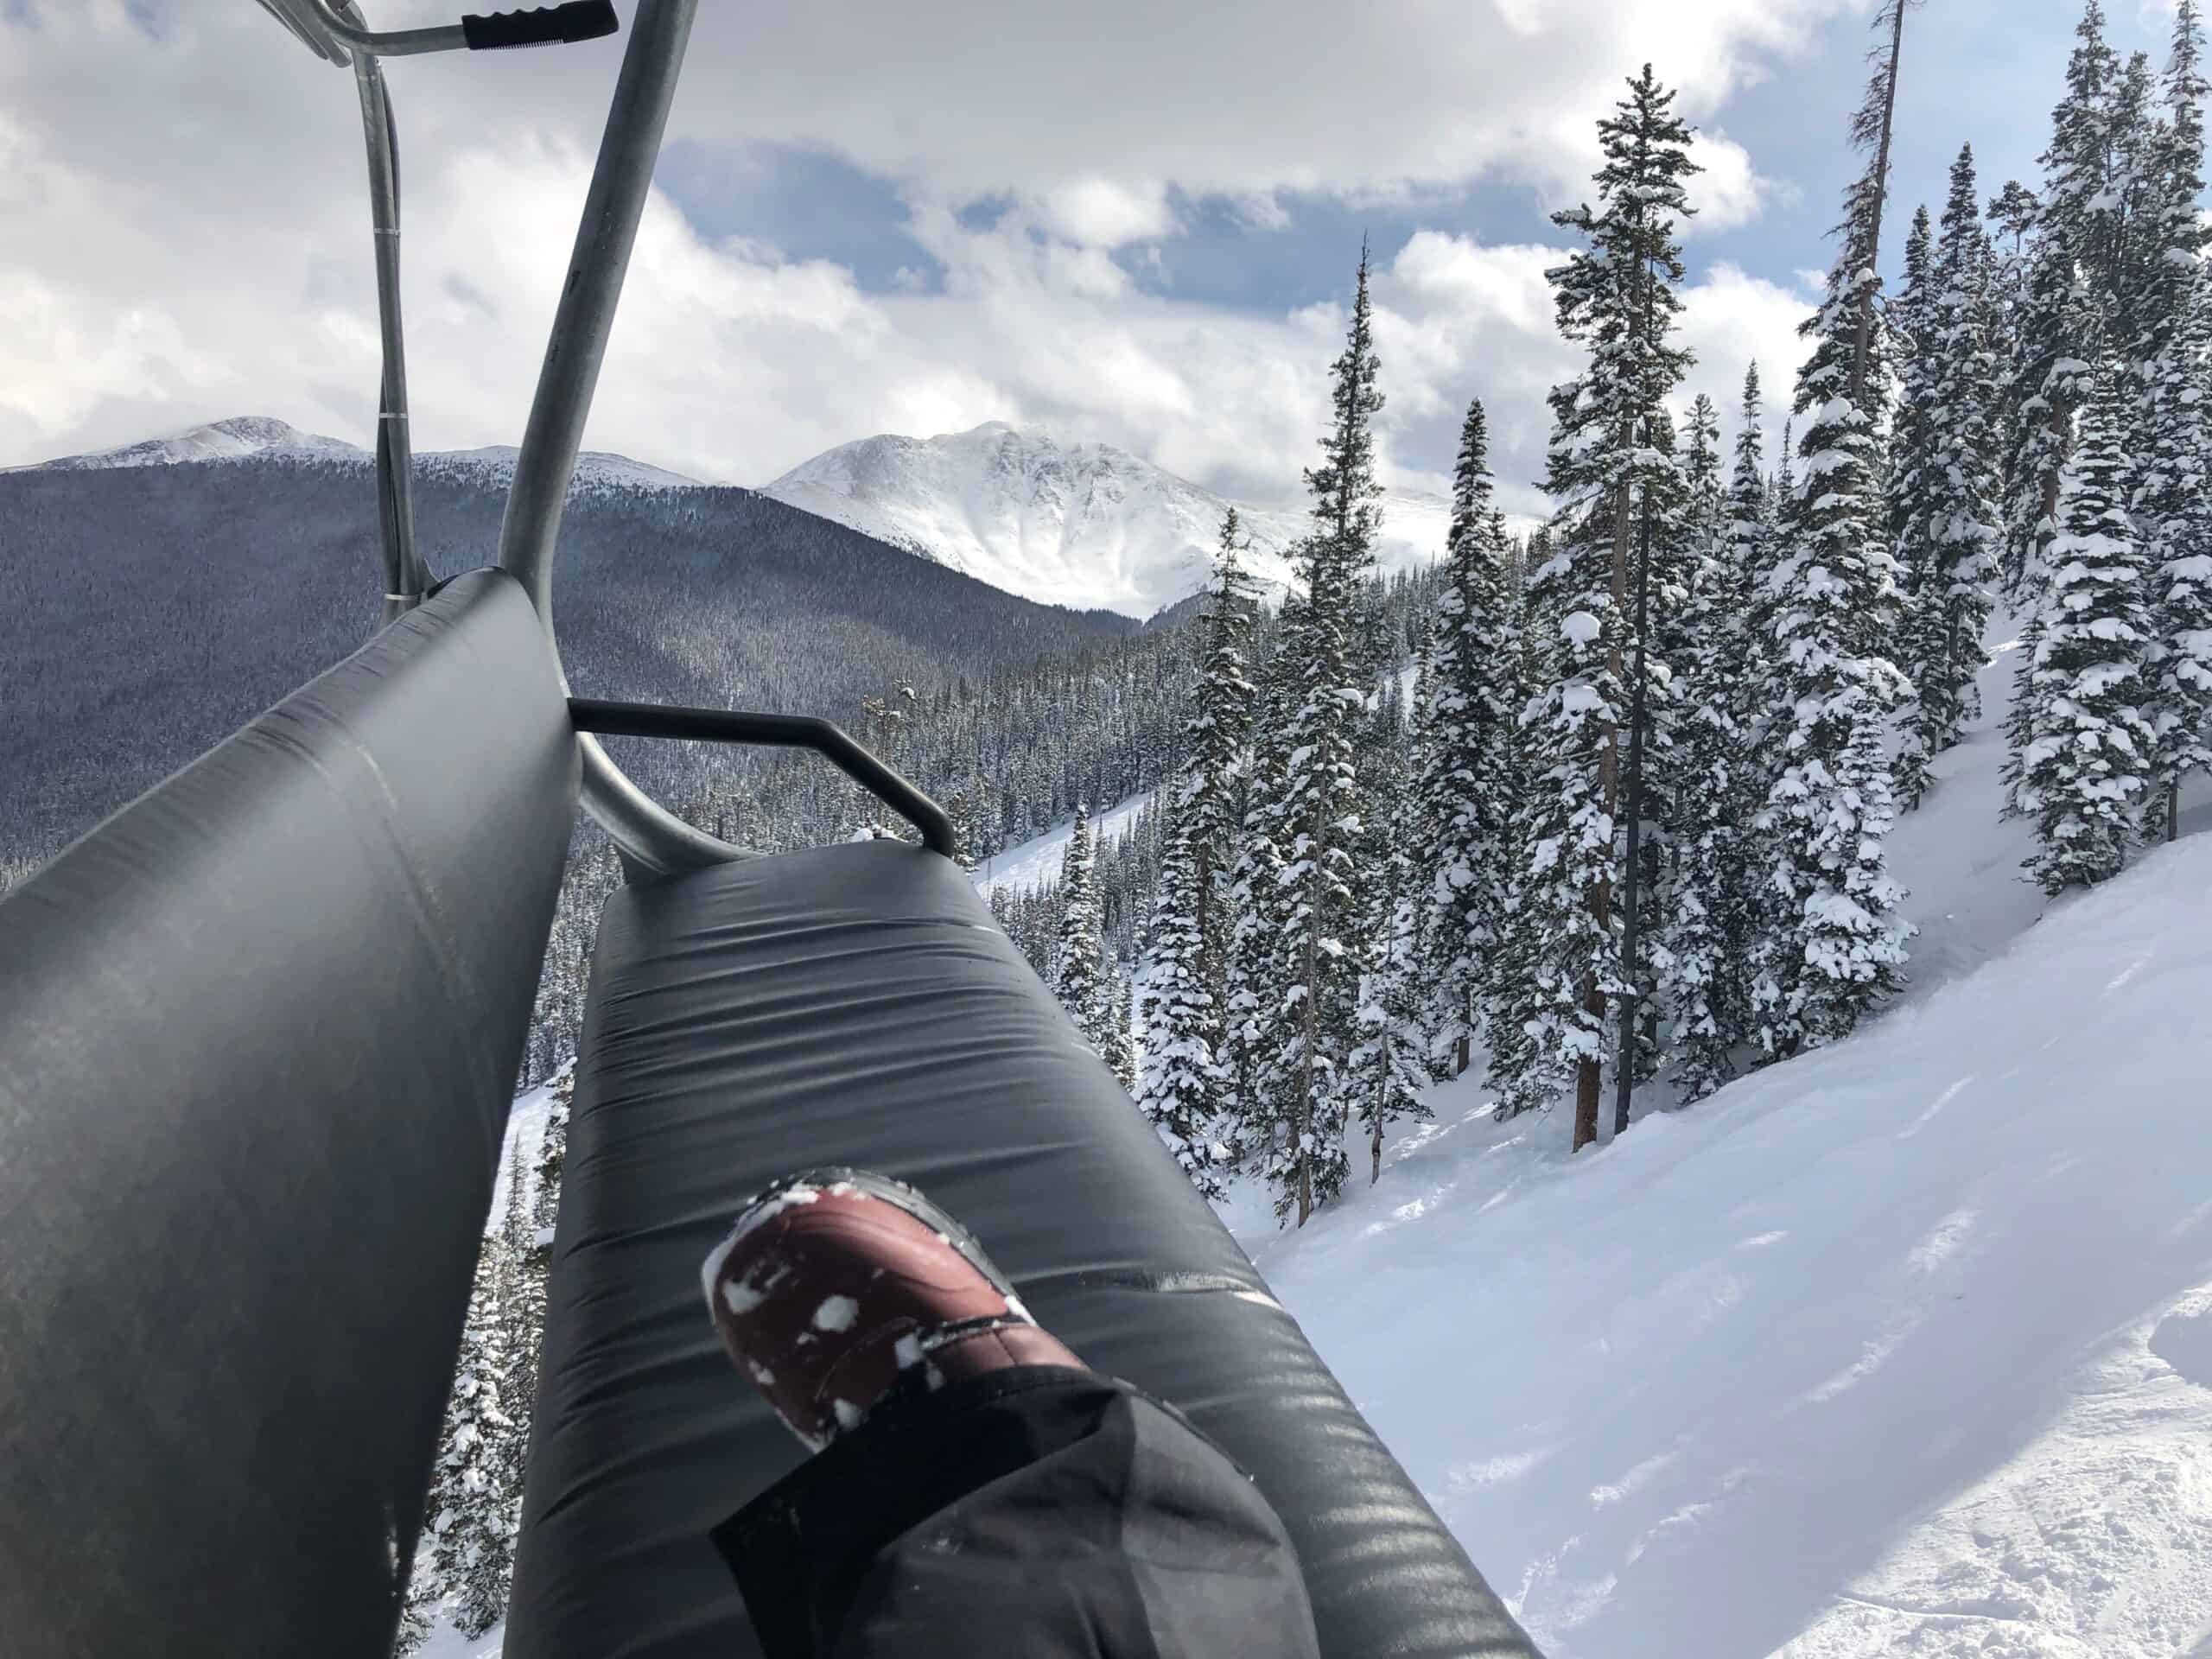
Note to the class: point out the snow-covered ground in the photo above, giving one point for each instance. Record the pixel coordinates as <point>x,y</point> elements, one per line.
<point>1905,1347</point>
<point>1039,860</point>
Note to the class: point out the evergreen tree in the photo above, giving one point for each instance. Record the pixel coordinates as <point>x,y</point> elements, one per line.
<point>2171,357</point>
<point>1913,482</point>
<point>1468,703</point>
<point>1121,1043</point>
<point>1259,905</point>
<point>1316,816</point>
<point>1723,671</point>
<point>2086,765</point>
<point>1211,789</point>
<point>477,1473</point>
<point>1524,1072</point>
<point>2065,292</point>
<point>1836,946</point>
<point>522,1307</point>
<point>1963,523</point>
<point>1077,983</point>
<point>1388,1065</point>
<point>1614,297</point>
<point>1182,1083</point>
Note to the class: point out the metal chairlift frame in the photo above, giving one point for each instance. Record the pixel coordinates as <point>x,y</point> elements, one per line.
<point>259,1035</point>
<point>649,838</point>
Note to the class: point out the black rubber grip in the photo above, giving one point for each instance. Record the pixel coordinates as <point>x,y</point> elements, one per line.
<point>579,20</point>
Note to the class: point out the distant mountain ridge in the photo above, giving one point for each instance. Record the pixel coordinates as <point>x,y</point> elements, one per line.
<point>247,437</point>
<point>1083,524</point>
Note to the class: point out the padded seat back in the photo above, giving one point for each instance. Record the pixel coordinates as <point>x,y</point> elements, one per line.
<point>259,1034</point>
<point>856,1004</point>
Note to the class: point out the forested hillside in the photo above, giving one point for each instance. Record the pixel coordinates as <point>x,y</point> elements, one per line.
<point>158,608</point>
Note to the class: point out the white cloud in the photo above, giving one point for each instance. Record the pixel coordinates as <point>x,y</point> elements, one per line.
<point>224,269</point>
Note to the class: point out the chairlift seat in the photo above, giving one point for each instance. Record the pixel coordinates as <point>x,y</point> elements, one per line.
<point>857,1005</point>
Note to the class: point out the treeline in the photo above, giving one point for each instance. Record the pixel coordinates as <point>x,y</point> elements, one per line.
<point>1636,818</point>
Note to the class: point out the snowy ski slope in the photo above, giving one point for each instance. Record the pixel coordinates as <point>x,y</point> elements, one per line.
<point>1901,1348</point>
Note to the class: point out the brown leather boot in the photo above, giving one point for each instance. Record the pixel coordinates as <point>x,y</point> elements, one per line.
<point>838,1289</point>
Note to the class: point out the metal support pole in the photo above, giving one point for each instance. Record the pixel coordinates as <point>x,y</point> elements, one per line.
<point>406,577</point>
<point>648,835</point>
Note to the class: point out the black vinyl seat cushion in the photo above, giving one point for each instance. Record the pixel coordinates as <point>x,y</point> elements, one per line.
<point>258,1036</point>
<point>856,1004</point>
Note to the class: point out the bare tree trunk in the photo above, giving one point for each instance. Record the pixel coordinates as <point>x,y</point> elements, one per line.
<point>1466,1057</point>
<point>1863,333</point>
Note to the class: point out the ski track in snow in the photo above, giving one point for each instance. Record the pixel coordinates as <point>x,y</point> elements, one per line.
<point>1903,1347</point>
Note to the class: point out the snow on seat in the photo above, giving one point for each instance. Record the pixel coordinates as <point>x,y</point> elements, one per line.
<point>855,1005</point>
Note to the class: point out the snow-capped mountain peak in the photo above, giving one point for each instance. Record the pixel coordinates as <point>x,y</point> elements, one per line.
<point>256,437</point>
<point>235,439</point>
<point>1061,521</point>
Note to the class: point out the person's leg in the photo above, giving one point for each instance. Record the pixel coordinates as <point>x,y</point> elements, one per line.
<point>975,1484</point>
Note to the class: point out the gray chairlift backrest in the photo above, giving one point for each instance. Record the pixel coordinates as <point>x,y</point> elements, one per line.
<point>258,1038</point>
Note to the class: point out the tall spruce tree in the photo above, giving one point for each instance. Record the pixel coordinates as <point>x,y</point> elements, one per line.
<point>1615,298</point>
<point>1078,981</point>
<point>2065,292</point>
<point>1524,1072</point>
<point>1259,904</point>
<point>1181,1087</point>
<point>2088,763</point>
<point>1212,786</point>
<point>2171,356</point>
<point>1389,1065</point>
<point>477,1476</point>
<point>1467,702</point>
<point>1963,524</point>
<point>1837,945</point>
<point>1315,816</point>
<point>1910,509</point>
<point>1724,673</point>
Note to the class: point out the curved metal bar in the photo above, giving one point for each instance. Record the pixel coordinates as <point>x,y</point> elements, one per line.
<point>648,835</point>
<point>865,768</point>
<point>406,576</point>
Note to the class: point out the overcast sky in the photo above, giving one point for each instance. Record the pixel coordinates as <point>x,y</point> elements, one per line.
<point>1135,222</point>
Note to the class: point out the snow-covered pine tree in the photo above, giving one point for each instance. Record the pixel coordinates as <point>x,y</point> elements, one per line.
<point>1839,946</point>
<point>522,1307</point>
<point>2171,357</point>
<point>1615,298</point>
<point>1723,672</point>
<point>1964,521</point>
<point>1467,703</point>
<point>1689,526</point>
<point>418,1608</point>
<point>1316,816</point>
<point>1523,1074</point>
<point>1220,734</point>
<point>1182,1084</point>
<point>2064,291</point>
<point>1254,997</point>
<point>1078,981</point>
<point>1909,507</point>
<point>1389,1066</point>
<point>2086,765</point>
<point>1122,1038</point>
<point>474,1480</point>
